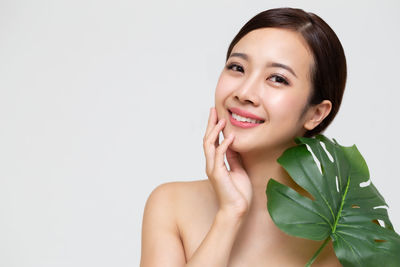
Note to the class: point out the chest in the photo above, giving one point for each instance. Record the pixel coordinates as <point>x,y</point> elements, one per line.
<point>258,243</point>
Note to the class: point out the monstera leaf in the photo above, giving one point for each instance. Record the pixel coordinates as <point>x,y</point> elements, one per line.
<point>346,207</point>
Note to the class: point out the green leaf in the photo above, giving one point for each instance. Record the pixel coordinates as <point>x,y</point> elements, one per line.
<point>341,209</point>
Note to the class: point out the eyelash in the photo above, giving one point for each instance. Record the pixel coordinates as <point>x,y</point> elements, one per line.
<point>231,66</point>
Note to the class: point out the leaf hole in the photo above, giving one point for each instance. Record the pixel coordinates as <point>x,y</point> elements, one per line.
<point>337,184</point>
<point>315,158</point>
<point>354,206</point>
<point>381,207</point>
<point>379,222</point>
<point>365,184</point>
<point>326,151</point>
<point>304,193</point>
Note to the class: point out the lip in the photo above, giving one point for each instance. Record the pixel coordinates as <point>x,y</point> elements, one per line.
<point>246,114</point>
<point>242,124</point>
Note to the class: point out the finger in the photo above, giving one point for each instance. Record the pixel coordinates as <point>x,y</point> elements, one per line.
<point>216,143</point>
<point>212,120</point>
<point>213,137</point>
<point>234,160</point>
<point>210,144</point>
<point>220,151</point>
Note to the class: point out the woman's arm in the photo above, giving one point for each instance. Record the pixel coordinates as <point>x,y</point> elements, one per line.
<point>161,243</point>
<point>216,247</point>
<point>233,191</point>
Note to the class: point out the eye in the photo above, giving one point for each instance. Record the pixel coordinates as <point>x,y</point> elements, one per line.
<point>280,79</point>
<point>235,67</point>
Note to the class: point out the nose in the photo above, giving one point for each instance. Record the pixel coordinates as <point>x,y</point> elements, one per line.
<point>248,92</point>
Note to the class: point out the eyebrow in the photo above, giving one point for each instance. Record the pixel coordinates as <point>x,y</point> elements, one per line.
<point>270,64</point>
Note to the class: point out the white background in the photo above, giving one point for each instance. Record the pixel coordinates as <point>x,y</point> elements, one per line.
<point>101,101</point>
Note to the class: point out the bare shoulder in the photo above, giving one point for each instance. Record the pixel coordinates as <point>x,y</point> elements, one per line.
<point>174,192</point>
<point>194,195</point>
<point>167,203</point>
<point>176,198</point>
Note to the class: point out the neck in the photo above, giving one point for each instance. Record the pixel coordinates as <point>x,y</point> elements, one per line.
<point>261,167</point>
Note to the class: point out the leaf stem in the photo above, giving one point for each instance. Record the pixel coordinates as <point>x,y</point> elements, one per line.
<point>308,264</point>
<point>341,205</point>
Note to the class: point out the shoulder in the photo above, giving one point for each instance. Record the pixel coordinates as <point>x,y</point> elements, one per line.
<point>179,189</point>
<point>166,204</point>
<point>172,195</point>
<point>173,203</point>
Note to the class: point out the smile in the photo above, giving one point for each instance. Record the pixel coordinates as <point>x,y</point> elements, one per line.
<point>244,119</point>
<point>243,122</point>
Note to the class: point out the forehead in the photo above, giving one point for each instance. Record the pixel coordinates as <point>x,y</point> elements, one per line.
<point>277,45</point>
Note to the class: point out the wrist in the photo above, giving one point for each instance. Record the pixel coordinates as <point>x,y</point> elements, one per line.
<point>231,215</point>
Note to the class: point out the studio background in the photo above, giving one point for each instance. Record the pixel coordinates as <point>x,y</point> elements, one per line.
<point>101,101</point>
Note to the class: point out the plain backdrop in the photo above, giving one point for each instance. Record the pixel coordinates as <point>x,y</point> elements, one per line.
<point>101,101</point>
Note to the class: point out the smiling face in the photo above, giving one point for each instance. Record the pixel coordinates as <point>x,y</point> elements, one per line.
<point>267,75</point>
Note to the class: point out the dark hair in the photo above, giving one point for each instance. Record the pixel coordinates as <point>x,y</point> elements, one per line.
<point>329,71</point>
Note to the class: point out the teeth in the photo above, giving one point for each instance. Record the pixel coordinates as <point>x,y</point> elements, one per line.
<point>244,119</point>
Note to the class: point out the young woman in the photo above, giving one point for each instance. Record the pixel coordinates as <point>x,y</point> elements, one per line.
<point>284,77</point>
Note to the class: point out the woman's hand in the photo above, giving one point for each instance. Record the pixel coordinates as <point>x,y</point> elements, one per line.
<point>233,188</point>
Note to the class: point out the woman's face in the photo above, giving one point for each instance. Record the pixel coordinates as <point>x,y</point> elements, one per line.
<point>255,80</point>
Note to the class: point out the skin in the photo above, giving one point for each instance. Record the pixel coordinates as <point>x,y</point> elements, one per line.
<point>223,221</point>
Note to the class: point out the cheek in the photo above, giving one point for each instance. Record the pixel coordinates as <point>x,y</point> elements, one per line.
<point>224,88</point>
<point>222,92</point>
<point>285,106</point>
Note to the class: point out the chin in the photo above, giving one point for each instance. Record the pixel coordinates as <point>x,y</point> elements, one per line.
<point>242,147</point>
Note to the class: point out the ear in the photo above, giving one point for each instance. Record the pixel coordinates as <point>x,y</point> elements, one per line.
<point>317,114</point>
